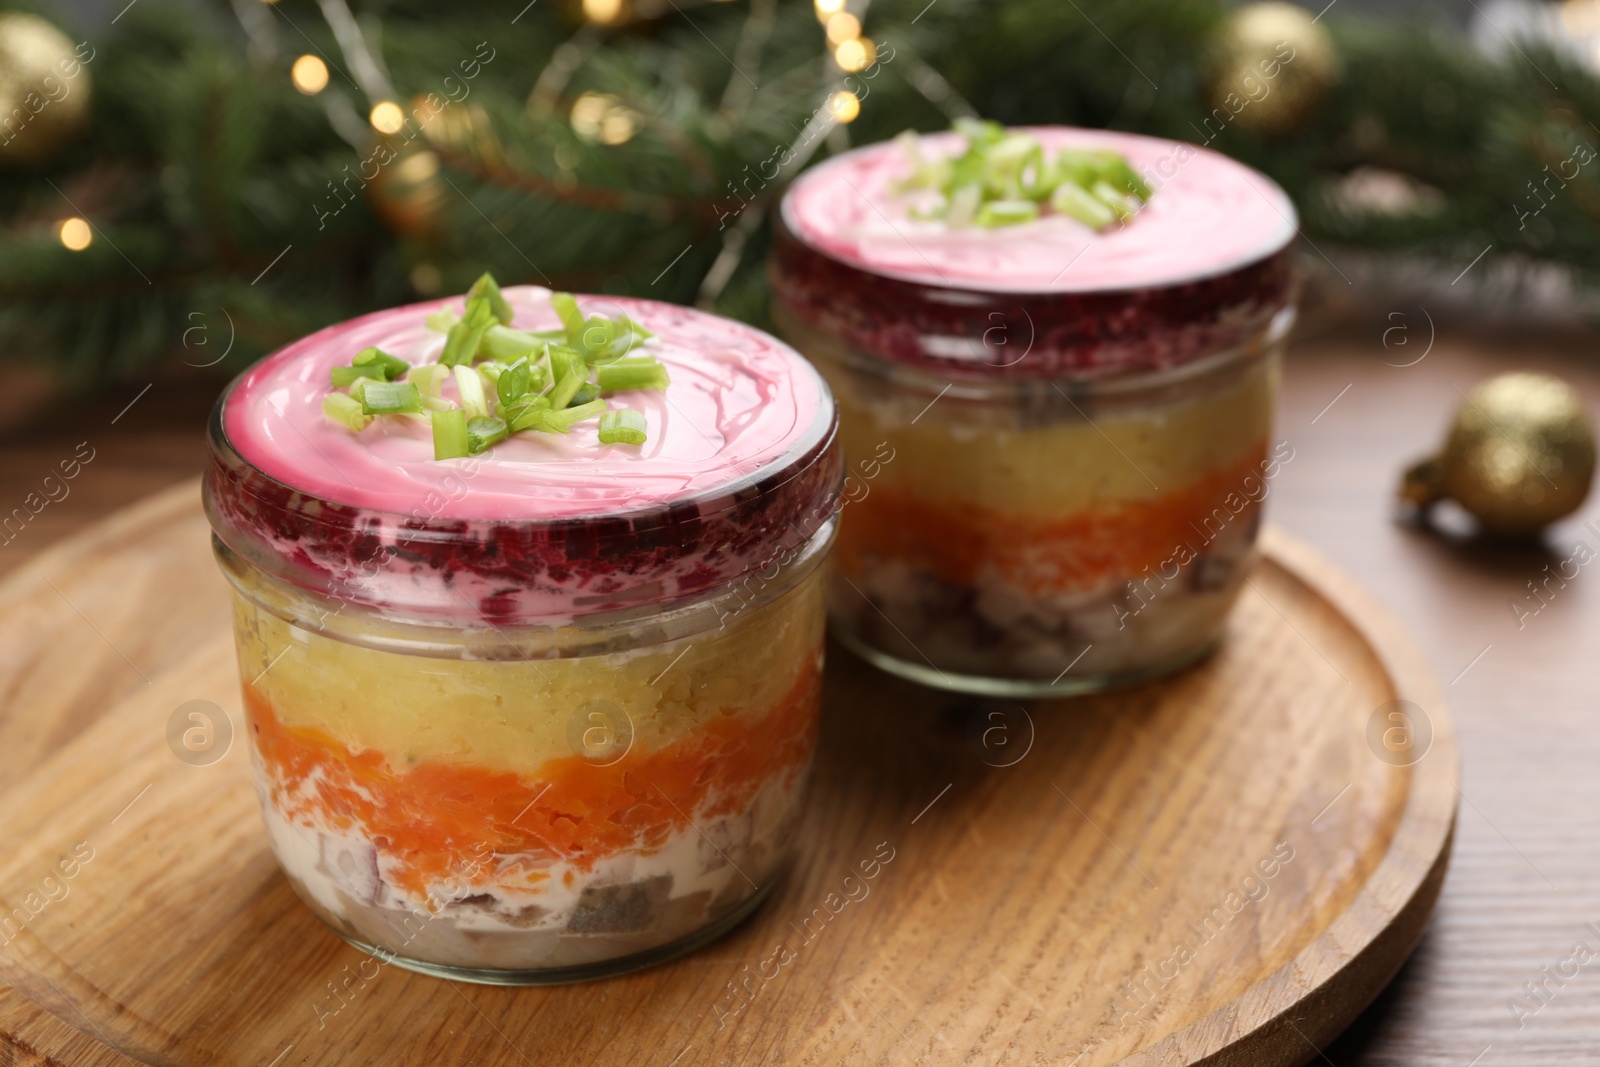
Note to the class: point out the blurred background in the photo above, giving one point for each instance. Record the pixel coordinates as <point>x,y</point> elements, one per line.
<point>223,177</point>
<point>185,186</point>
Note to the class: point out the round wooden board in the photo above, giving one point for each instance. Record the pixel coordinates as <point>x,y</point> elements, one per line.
<point>1101,898</point>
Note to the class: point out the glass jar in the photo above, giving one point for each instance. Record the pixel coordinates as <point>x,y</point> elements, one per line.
<point>1057,442</point>
<point>515,749</point>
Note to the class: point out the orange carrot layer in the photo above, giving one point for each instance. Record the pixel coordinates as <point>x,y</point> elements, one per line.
<point>964,544</point>
<point>438,819</point>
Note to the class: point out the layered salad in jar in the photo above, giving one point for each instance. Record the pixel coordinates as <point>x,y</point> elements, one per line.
<point>529,623</point>
<point>1055,353</point>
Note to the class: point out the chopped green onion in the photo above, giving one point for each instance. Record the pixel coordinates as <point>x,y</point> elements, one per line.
<point>1003,176</point>
<point>428,378</point>
<point>470,386</point>
<point>346,411</point>
<point>506,345</point>
<point>527,416</point>
<point>566,388</point>
<point>1108,194</point>
<point>513,382</point>
<point>565,361</point>
<point>633,374</point>
<point>622,427</point>
<point>1006,213</point>
<point>1119,172</point>
<point>566,420</point>
<point>450,434</point>
<point>979,132</point>
<point>1075,202</point>
<point>393,366</point>
<point>441,321</point>
<point>486,288</point>
<point>566,306</point>
<point>389,398</point>
<point>461,343</point>
<point>344,377</point>
<point>963,206</point>
<point>485,432</point>
<point>508,380</point>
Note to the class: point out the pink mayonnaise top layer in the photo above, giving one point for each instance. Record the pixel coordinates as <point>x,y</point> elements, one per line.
<point>1208,215</point>
<point>740,401</point>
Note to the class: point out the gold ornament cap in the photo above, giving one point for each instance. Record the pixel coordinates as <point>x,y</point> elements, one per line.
<point>1520,456</point>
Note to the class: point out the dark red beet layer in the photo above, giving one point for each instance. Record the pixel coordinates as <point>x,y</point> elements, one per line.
<point>1063,334</point>
<point>509,573</point>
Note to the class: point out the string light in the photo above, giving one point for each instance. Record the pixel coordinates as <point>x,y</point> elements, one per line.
<point>858,53</point>
<point>605,118</point>
<point>386,117</point>
<point>844,105</point>
<point>826,8</point>
<point>417,168</point>
<point>608,12</point>
<point>75,233</point>
<point>843,27</point>
<point>309,74</point>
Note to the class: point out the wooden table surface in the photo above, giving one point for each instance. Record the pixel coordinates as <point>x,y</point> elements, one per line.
<point>1526,874</point>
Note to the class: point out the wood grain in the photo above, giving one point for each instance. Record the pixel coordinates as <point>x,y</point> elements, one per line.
<point>1019,907</point>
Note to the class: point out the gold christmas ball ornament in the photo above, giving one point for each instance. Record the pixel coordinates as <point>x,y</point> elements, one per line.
<point>1270,67</point>
<point>1520,456</point>
<point>44,88</point>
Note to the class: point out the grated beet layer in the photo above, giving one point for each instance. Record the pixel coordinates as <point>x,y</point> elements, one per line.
<point>519,572</point>
<point>1039,335</point>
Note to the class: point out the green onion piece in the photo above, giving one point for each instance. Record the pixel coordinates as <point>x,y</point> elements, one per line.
<point>1037,179</point>
<point>1078,167</point>
<point>1006,213</point>
<point>566,306</point>
<point>470,386</point>
<point>586,392</point>
<point>441,321</point>
<point>512,384</point>
<point>622,427</point>
<point>598,335</point>
<point>1116,169</point>
<point>344,377</point>
<point>629,374</point>
<point>486,288</point>
<point>390,398</point>
<point>979,132</point>
<point>1075,202</point>
<point>538,377</point>
<point>564,360</point>
<point>636,331</point>
<point>505,345</point>
<point>963,206</point>
<point>1109,195</point>
<point>393,367</point>
<point>566,388</point>
<point>566,420</point>
<point>428,378</point>
<point>450,434</point>
<point>527,416</point>
<point>346,411</point>
<point>484,432</point>
<point>461,343</point>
